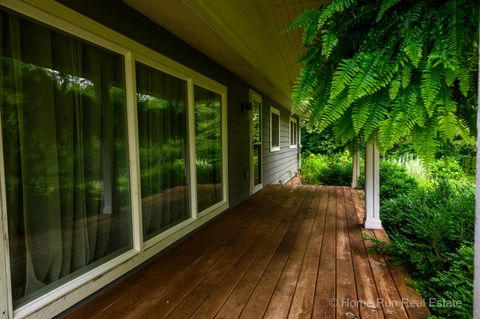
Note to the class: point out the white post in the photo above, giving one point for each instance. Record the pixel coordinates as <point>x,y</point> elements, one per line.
<point>372,187</point>
<point>476,288</point>
<point>355,169</point>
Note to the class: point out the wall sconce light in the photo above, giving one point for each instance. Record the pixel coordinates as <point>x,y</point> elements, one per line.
<point>246,107</point>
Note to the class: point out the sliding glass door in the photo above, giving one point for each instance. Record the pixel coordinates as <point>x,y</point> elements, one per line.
<point>162,128</point>
<point>63,119</point>
<point>256,163</point>
<point>208,145</point>
<point>110,154</point>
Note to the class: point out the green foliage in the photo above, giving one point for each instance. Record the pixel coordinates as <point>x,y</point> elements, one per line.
<point>314,143</point>
<point>431,229</point>
<point>327,170</point>
<point>394,181</point>
<point>446,168</point>
<point>412,165</point>
<point>390,69</point>
<point>454,283</point>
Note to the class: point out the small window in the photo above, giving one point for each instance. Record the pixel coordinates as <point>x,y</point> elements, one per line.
<point>293,133</point>
<point>274,129</point>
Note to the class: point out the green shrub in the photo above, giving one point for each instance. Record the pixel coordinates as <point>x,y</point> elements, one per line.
<point>327,170</point>
<point>446,168</point>
<point>431,231</point>
<point>453,284</point>
<point>394,181</point>
<point>412,165</point>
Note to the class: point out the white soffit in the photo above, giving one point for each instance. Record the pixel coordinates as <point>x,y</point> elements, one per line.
<point>245,36</point>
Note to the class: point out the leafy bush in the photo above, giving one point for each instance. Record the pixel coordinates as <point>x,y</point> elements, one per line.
<point>412,165</point>
<point>446,168</point>
<point>455,283</point>
<point>327,170</point>
<point>431,231</point>
<point>394,181</point>
<point>315,143</point>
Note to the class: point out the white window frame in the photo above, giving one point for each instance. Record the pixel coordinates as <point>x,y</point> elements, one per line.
<point>255,97</point>
<point>293,122</point>
<point>219,89</point>
<point>277,112</point>
<point>58,16</point>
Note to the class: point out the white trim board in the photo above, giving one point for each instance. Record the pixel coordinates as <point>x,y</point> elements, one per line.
<point>277,112</point>
<point>292,121</point>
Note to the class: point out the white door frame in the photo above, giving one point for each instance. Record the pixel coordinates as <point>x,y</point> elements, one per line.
<point>255,97</point>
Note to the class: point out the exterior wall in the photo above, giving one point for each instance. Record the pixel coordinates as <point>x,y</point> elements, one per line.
<point>279,166</point>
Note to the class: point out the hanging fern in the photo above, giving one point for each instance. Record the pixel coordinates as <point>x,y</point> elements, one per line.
<point>393,69</point>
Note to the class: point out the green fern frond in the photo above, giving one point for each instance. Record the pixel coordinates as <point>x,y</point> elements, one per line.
<point>375,117</point>
<point>450,76</point>
<point>410,73</point>
<point>342,77</point>
<point>394,89</point>
<point>431,84</point>
<point>464,132</point>
<point>387,4</point>
<point>343,130</point>
<point>425,143</point>
<point>361,113</point>
<point>447,125</point>
<point>329,42</point>
<point>334,7</point>
<point>456,30</point>
<point>334,110</point>
<point>365,82</point>
<point>307,17</point>
<point>406,74</point>
<point>414,51</point>
<point>465,82</point>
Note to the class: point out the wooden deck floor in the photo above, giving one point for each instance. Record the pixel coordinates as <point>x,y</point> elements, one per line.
<point>288,251</point>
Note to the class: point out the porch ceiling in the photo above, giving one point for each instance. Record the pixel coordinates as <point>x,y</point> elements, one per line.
<point>243,35</point>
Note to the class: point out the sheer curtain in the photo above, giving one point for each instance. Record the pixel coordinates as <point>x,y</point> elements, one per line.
<point>161,103</point>
<point>208,138</point>
<point>63,120</point>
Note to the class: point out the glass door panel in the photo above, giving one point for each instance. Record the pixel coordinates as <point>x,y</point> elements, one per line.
<point>162,130</point>
<point>64,125</point>
<point>256,142</point>
<point>208,144</point>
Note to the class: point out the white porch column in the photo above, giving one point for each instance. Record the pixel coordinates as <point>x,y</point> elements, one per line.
<point>355,169</point>
<point>372,187</point>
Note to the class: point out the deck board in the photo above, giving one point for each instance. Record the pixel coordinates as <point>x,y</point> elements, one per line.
<point>285,252</point>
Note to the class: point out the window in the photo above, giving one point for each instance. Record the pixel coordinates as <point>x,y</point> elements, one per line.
<point>66,164</point>
<point>162,130</point>
<point>274,129</point>
<point>99,141</point>
<point>208,139</point>
<point>293,133</point>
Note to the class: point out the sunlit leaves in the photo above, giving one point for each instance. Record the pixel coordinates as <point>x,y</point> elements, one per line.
<point>391,68</point>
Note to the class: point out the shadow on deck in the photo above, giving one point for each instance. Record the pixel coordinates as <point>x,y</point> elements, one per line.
<point>288,251</point>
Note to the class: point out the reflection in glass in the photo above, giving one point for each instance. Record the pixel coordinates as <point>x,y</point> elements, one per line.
<point>208,140</point>
<point>63,118</point>
<point>275,130</point>
<point>257,142</point>
<point>161,103</point>
<point>293,133</point>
